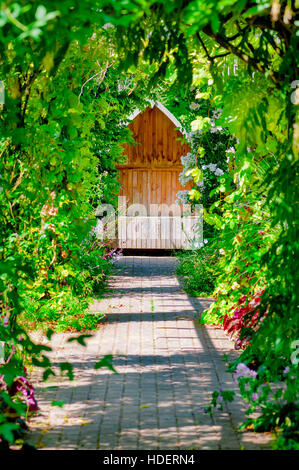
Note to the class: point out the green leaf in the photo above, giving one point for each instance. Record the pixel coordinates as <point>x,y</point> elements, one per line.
<point>49,333</point>
<point>106,361</point>
<point>196,173</point>
<point>58,403</point>
<point>66,366</point>
<point>44,362</point>
<point>6,430</point>
<point>80,339</point>
<point>47,374</point>
<point>215,22</point>
<point>194,195</point>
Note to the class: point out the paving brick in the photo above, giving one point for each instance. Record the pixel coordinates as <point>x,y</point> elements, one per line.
<point>168,367</point>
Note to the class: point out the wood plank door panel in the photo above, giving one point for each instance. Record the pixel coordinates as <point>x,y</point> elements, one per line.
<point>150,193</point>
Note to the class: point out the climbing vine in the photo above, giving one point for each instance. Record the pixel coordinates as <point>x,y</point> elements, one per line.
<point>63,123</point>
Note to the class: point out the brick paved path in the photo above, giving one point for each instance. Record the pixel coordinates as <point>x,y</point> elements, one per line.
<point>168,366</point>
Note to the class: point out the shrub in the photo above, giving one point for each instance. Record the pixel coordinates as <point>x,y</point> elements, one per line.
<point>66,308</point>
<point>198,270</point>
<point>244,321</point>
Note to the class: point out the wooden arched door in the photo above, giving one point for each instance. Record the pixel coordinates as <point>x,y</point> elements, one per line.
<point>150,182</point>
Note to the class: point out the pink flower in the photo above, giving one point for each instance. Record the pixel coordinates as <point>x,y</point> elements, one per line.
<point>244,371</point>
<point>22,385</point>
<point>3,385</point>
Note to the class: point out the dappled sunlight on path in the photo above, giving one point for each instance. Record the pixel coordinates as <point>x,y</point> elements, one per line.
<point>167,368</point>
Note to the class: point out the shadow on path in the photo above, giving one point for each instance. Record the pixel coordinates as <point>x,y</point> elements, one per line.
<point>168,366</point>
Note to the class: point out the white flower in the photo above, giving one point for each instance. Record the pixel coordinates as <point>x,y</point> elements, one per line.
<point>182,197</point>
<point>195,244</point>
<point>218,172</point>
<point>205,241</point>
<point>235,286</point>
<point>108,25</point>
<point>194,105</point>
<point>193,133</point>
<point>231,150</point>
<point>216,113</point>
<point>214,129</point>
<point>212,166</point>
<point>53,211</point>
<point>184,179</point>
<point>188,160</point>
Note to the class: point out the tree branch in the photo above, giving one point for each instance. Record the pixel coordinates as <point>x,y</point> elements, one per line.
<point>101,72</point>
<point>211,58</point>
<point>251,61</point>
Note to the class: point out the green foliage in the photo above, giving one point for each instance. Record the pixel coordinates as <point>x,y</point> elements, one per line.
<point>251,52</point>
<point>65,306</point>
<point>69,86</point>
<point>198,268</point>
<point>62,127</point>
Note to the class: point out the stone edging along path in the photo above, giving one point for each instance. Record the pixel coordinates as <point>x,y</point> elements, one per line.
<point>168,366</point>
